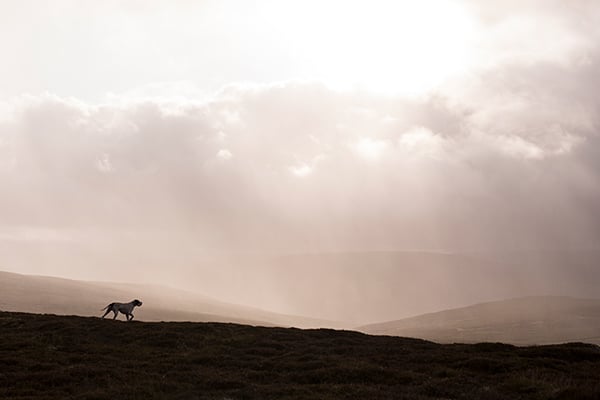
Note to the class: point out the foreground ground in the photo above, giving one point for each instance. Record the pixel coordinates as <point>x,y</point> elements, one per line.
<point>46,356</point>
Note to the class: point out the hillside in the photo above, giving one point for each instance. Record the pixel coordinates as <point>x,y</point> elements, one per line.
<point>521,321</point>
<point>41,294</point>
<point>46,356</point>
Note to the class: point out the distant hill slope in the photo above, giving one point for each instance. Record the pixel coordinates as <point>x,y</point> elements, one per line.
<point>361,287</point>
<point>521,321</point>
<point>370,287</point>
<point>40,294</point>
<point>54,357</point>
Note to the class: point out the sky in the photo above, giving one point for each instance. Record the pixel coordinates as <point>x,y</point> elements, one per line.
<point>155,133</point>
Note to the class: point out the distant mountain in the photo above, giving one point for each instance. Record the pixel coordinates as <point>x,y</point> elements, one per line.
<point>521,321</point>
<point>42,294</point>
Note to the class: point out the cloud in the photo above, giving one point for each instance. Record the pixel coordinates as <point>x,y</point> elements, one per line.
<point>504,154</point>
<point>224,154</point>
<point>227,171</point>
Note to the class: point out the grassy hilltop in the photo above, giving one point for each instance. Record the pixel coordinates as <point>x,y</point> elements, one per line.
<point>47,356</point>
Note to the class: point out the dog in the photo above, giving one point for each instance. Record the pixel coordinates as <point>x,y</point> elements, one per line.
<point>124,308</point>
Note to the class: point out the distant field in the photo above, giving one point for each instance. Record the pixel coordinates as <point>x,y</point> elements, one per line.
<point>47,356</point>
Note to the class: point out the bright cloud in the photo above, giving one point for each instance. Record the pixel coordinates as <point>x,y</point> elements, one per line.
<point>224,154</point>
<point>301,170</point>
<point>370,148</point>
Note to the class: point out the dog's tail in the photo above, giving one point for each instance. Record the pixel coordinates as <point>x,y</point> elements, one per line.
<point>108,306</point>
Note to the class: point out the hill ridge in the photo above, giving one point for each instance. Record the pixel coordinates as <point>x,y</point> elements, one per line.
<point>39,293</point>
<point>520,320</point>
<point>49,356</point>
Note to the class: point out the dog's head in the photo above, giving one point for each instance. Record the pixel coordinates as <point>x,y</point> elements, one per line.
<point>137,303</point>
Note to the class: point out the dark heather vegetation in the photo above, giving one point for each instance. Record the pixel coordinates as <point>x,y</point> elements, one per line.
<point>56,357</point>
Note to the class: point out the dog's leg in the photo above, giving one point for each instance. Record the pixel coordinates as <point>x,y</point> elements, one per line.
<point>108,309</point>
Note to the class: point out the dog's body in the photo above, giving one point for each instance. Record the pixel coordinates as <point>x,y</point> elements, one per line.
<point>125,308</point>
